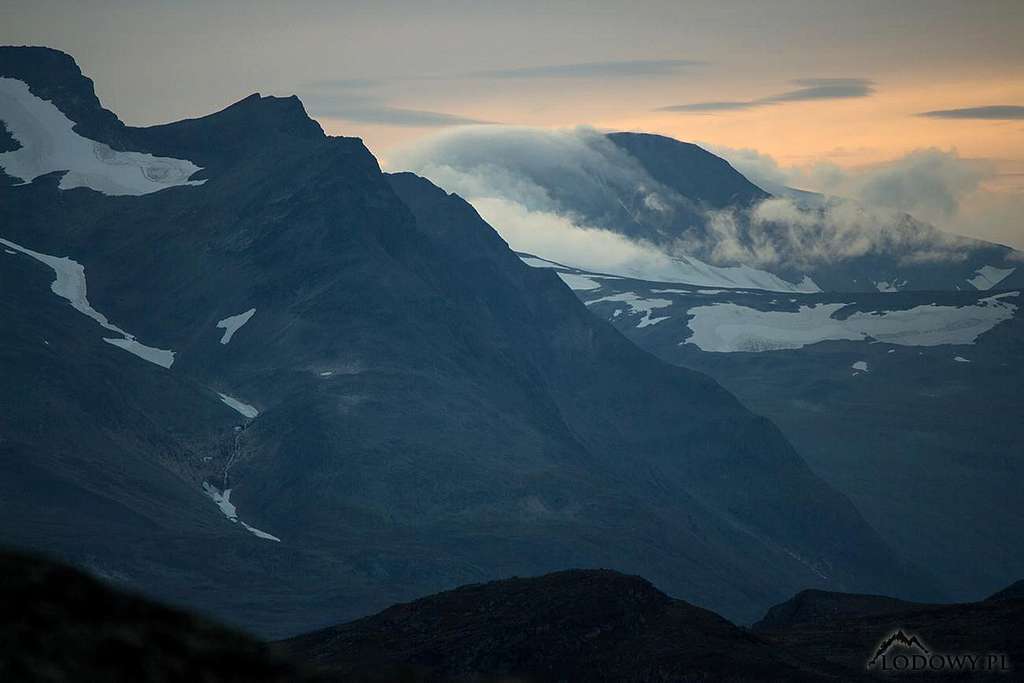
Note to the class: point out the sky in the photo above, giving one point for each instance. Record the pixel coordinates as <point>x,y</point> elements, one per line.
<point>812,88</point>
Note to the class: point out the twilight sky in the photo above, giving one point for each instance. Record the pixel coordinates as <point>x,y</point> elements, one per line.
<point>815,87</point>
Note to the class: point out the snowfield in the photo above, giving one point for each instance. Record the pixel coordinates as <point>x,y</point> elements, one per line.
<point>69,283</point>
<point>729,327</point>
<point>894,286</point>
<point>987,277</point>
<point>49,143</point>
<point>233,323</point>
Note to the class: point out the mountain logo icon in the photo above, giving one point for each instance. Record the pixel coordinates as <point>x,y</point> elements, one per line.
<point>901,639</point>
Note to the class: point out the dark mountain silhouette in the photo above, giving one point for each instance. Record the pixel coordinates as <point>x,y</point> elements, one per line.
<point>420,409</point>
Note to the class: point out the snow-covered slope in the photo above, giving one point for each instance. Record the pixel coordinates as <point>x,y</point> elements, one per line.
<point>48,142</point>
<point>685,270</point>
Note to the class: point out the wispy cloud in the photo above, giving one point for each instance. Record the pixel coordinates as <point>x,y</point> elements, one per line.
<point>809,90</point>
<point>393,116</point>
<point>994,112</point>
<point>344,83</point>
<point>348,99</point>
<point>618,69</point>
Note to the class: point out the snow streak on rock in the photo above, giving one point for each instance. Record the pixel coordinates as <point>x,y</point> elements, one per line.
<point>70,284</point>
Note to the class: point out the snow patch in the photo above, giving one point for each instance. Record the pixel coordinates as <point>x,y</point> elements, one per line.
<point>728,327</point>
<point>988,277</point>
<point>638,304</point>
<point>688,270</point>
<point>223,501</point>
<point>233,323</point>
<point>69,284</point>
<point>49,143</point>
<point>579,282</point>
<point>889,287</point>
<point>160,357</point>
<point>535,262</point>
<point>960,359</point>
<point>860,366</point>
<point>243,409</point>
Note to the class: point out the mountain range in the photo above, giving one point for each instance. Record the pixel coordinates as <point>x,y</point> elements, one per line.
<point>250,373</point>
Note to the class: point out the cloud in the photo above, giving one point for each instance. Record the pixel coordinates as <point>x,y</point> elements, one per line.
<point>936,186</point>
<point>782,232</point>
<point>349,101</point>
<point>811,89</point>
<point>994,112</point>
<point>619,69</point>
<point>345,83</point>
<point>394,116</point>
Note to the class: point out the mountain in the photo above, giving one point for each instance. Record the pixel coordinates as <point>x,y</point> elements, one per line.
<point>257,376</point>
<point>690,171</point>
<point>656,208</point>
<point>593,625</point>
<point>908,402</point>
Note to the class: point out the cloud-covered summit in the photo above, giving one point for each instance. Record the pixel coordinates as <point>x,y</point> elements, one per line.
<point>575,196</point>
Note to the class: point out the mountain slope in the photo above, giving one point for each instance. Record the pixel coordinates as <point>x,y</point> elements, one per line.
<point>906,401</point>
<point>413,407</point>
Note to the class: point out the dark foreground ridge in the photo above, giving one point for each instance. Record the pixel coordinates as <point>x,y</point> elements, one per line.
<point>599,625</point>
<point>847,631</point>
<point>60,624</point>
<point>586,625</point>
<point>580,625</point>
